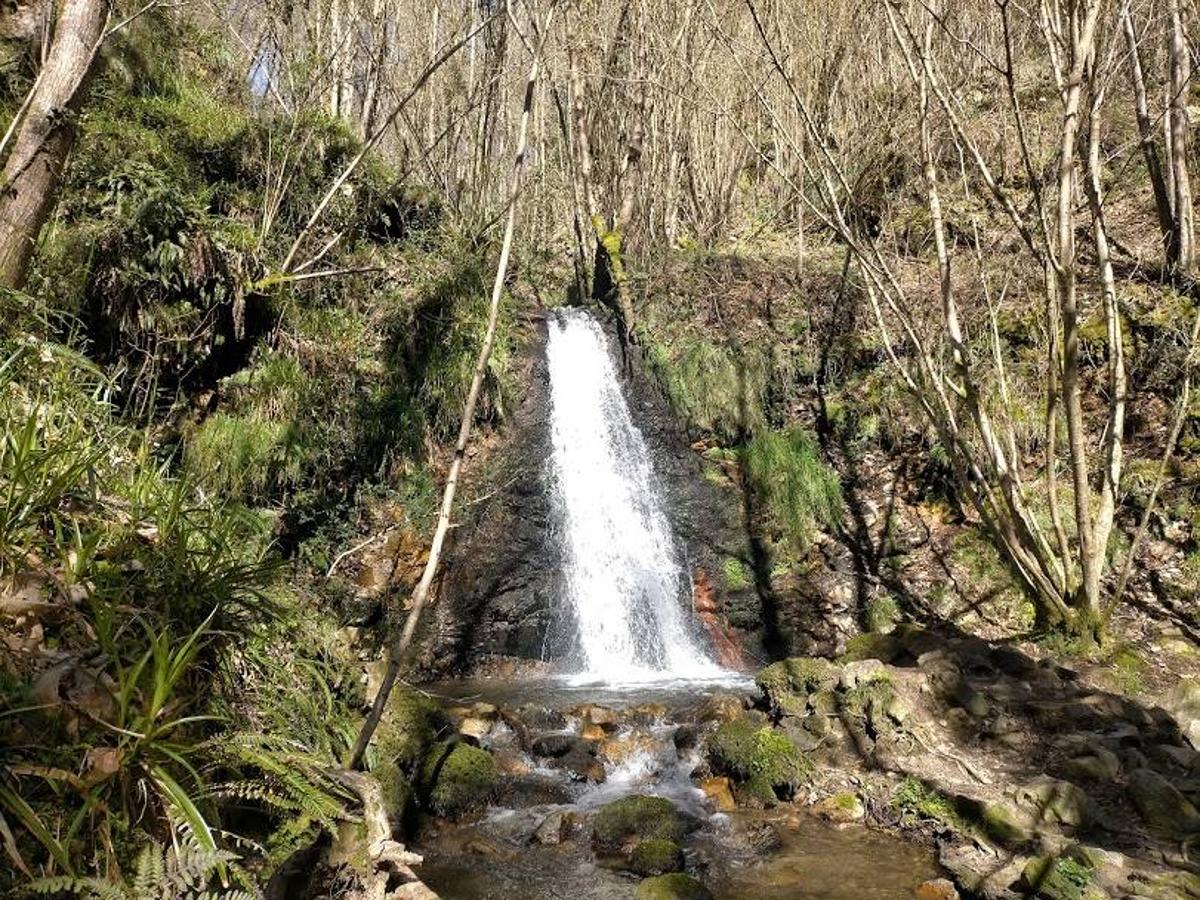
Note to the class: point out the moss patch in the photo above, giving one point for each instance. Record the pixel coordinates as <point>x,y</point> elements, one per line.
<point>647,818</point>
<point>744,752</point>
<point>656,856</point>
<point>456,779</point>
<point>676,886</point>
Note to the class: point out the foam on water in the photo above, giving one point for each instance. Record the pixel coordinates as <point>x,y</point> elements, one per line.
<point>628,594</point>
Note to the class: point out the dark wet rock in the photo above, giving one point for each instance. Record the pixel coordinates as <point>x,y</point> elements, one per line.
<point>1012,662</point>
<point>581,764</point>
<point>721,707</point>
<point>520,791</point>
<point>1161,804</point>
<point>686,737</point>
<point>456,779</point>
<point>1176,757</point>
<point>655,856</point>
<point>534,718</point>
<point>637,817</point>
<point>556,744</point>
<point>676,886</point>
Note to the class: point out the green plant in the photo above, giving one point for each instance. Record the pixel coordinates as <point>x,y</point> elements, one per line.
<point>799,490</point>
<point>737,574</point>
<point>918,799</point>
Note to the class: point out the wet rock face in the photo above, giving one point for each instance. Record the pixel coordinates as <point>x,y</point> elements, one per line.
<point>499,596</point>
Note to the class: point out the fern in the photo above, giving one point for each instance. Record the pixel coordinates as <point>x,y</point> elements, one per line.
<point>184,871</point>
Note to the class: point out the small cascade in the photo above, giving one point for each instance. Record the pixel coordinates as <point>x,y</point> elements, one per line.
<point>626,591</point>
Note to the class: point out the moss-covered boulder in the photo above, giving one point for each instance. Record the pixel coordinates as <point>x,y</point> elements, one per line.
<point>656,856</point>
<point>761,754</point>
<point>410,724</point>
<point>637,817</point>
<point>1161,804</point>
<point>675,886</point>
<point>1059,878</point>
<point>788,683</point>
<point>456,779</point>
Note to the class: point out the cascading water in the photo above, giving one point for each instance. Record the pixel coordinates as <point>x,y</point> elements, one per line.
<point>625,588</point>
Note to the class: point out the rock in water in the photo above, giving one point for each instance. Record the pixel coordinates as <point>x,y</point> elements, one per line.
<point>676,886</point>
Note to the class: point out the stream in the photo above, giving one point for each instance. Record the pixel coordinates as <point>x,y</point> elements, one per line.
<point>634,683</point>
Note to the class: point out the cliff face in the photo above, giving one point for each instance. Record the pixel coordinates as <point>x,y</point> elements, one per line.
<point>500,596</point>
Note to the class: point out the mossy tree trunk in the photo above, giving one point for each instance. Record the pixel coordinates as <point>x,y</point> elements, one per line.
<point>44,135</point>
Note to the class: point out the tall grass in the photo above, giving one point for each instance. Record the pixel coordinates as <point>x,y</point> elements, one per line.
<point>799,491</point>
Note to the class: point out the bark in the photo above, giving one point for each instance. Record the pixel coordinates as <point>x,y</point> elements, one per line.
<point>29,182</point>
<point>420,594</point>
<point>1158,183</point>
<point>1181,76</point>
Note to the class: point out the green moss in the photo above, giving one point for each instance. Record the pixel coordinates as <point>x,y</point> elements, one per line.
<point>800,492</point>
<point>871,645</point>
<point>737,574</point>
<point>409,726</point>
<point>675,886</point>
<point>788,683</point>
<point>882,613</point>
<point>744,752</point>
<point>456,779</point>
<point>847,801</point>
<point>1003,823</point>
<point>656,856</point>
<point>1057,878</point>
<point>638,816</point>
<point>923,801</point>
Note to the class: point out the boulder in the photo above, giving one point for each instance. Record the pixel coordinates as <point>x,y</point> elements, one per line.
<point>637,817</point>
<point>675,886</point>
<point>655,856</point>
<point>1183,702</point>
<point>936,889</point>
<point>555,745</point>
<point>766,755</point>
<point>861,672</point>
<point>1051,801</point>
<point>456,779</point>
<point>1099,765</point>
<point>554,829</point>
<point>844,807</point>
<point>1161,804</point>
<point>719,792</point>
<point>474,728</point>
<point>1059,878</point>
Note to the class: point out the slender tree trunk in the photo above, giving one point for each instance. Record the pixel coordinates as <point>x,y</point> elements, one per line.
<point>1181,77</point>
<point>1158,183</point>
<point>29,183</point>
<point>420,594</point>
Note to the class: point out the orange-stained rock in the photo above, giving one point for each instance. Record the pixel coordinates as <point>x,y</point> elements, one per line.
<point>718,790</point>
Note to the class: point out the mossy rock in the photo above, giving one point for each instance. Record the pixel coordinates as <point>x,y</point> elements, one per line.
<point>397,792</point>
<point>1058,878</point>
<point>656,856</point>
<point>1005,824</point>
<point>675,886</point>
<point>456,779</point>
<point>744,752</point>
<point>410,724</point>
<point>788,683</point>
<point>873,645</point>
<point>637,816</point>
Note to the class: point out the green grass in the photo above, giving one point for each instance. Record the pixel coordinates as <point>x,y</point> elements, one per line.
<point>917,799</point>
<point>737,574</point>
<point>800,492</point>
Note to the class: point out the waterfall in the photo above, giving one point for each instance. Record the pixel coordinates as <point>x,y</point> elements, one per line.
<point>625,587</point>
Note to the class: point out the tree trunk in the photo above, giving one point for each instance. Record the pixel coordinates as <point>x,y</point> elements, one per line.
<point>421,593</point>
<point>29,183</point>
<point>1181,76</point>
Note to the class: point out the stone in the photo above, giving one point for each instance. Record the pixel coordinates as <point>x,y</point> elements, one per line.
<point>1053,801</point>
<point>592,732</point>
<point>554,745</point>
<point>860,672</point>
<point>598,715</point>
<point>456,779</point>
<point>1184,758</point>
<point>971,700</point>
<point>719,791</point>
<point>1057,878</point>
<point>553,829</point>
<point>1100,765</point>
<point>843,807</point>
<point>640,817</point>
<point>936,889</point>
<point>1161,804</point>
<point>656,856</point>
<point>1006,824</point>
<point>581,765</point>
<point>1183,702</point>
<point>722,707</point>
<point>474,728</point>
<point>686,737</point>
<point>741,751</point>
<point>675,886</point>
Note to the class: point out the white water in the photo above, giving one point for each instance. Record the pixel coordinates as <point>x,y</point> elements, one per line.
<point>628,595</point>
